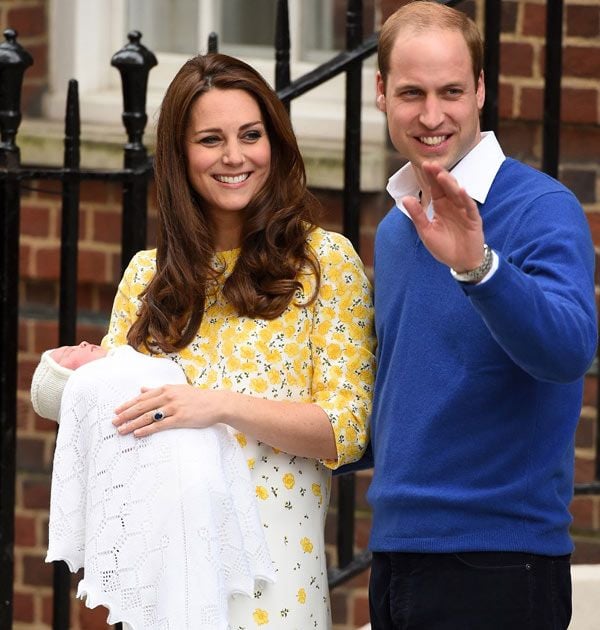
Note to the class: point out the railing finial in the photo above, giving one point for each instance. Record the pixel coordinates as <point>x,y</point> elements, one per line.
<point>134,61</point>
<point>14,60</point>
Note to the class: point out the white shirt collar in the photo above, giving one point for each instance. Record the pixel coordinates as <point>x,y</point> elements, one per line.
<point>475,173</point>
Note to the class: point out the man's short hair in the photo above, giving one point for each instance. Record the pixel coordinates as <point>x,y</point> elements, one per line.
<point>426,15</point>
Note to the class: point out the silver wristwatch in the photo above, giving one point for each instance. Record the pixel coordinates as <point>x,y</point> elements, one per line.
<point>475,275</point>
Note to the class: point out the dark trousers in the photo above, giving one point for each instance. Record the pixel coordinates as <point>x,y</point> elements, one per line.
<point>469,591</point>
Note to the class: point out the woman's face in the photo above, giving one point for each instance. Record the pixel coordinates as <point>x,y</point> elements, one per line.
<point>228,152</point>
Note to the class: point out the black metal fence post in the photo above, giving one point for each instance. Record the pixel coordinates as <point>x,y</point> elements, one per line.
<point>493,20</point>
<point>551,131</point>
<point>351,200</point>
<point>282,49</point>
<point>61,601</point>
<point>134,61</point>
<point>14,60</point>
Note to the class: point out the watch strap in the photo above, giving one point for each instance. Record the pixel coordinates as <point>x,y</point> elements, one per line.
<point>476,275</point>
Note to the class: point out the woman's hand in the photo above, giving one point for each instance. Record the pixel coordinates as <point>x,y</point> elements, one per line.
<point>298,428</point>
<point>182,406</point>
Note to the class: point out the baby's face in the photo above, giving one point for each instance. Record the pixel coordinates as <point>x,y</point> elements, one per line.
<point>72,357</point>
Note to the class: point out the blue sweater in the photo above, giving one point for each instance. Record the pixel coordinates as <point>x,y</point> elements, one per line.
<point>479,387</point>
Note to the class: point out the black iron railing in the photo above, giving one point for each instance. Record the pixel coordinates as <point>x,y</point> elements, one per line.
<point>134,62</point>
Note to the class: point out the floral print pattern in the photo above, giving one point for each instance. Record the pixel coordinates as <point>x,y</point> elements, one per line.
<point>322,353</point>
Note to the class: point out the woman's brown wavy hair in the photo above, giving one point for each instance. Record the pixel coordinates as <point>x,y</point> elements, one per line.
<point>274,247</point>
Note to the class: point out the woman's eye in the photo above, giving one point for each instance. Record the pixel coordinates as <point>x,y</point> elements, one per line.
<point>253,135</point>
<point>209,140</point>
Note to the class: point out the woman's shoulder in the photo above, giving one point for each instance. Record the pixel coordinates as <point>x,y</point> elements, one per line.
<point>326,243</point>
<point>141,267</point>
<point>145,258</point>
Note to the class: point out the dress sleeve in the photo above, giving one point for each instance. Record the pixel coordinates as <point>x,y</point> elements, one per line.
<point>126,304</point>
<point>343,346</point>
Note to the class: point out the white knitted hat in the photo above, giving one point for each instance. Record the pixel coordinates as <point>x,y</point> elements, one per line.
<point>47,384</point>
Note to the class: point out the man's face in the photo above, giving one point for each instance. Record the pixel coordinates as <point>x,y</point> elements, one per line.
<point>431,100</point>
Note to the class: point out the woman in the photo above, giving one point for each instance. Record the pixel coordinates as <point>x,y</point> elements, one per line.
<point>269,316</point>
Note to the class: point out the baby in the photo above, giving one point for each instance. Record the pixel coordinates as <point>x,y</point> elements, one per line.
<point>166,527</point>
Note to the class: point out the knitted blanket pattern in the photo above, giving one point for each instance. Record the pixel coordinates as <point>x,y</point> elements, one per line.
<point>166,527</point>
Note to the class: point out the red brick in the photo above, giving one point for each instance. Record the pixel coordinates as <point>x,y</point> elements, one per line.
<point>532,103</point>
<point>91,266</point>
<point>90,332</point>
<point>582,510</point>
<point>115,271</point>
<point>25,258</point>
<point>590,390</point>
<point>45,335</point>
<point>36,572</point>
<point>583,21</point>
<point>27,21</point>
<point>579,143</point>
<point>106,296</point>
<point>509,17</point>
<point>25,370</point>
<point>106,227</point>
<point>25,531</point>
<point>584,470</point>
<point>579,105</point>
<point>47,608</point>
<point>47,263</point>
<point>585,435</point>
<point>39,292</point>
<point>594,223</point>
<point>516,59</point>
<point>505,100</point>
<point>96,192</point>
<point>582,181</point>
<point>339,607</point>
<point>581,61</point>
<point>35,221</point>
<point>361,610</point>
<point>92,618</point>
<point>23,607</point>
<point>43,425</point>
<point>534,20</point>
<point>31,458</point>
<point>36,494</point>
<point>587,551</point>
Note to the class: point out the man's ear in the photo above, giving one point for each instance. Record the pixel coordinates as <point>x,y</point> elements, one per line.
<point>380,92</point>
<point>480,91</point>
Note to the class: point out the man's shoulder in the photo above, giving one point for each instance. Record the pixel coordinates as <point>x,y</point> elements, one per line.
<point>515,173</point>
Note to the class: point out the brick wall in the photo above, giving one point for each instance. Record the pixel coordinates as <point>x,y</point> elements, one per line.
<point>521,84</point>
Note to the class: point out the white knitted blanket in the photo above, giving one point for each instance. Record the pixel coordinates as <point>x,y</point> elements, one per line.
<point>166,527</point>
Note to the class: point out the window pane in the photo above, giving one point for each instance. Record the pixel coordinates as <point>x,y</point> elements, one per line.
<point>248,23</point>
<point>247,28</point>
<point>324,26</point>
<point>166,26</point>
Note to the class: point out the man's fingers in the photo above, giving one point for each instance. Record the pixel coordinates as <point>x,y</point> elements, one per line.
<point>416,212</point>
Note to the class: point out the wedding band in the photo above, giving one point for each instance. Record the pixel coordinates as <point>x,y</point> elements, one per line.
<point>158,415</point>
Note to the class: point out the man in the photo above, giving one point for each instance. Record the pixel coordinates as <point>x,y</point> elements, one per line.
<point>485,318</point>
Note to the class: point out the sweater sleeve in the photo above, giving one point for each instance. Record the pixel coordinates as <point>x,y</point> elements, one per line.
<point>343,345</point>
<point>540,305</point>
<point>126,304</point>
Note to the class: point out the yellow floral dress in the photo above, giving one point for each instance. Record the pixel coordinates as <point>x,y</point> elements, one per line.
<point>320,353</point>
